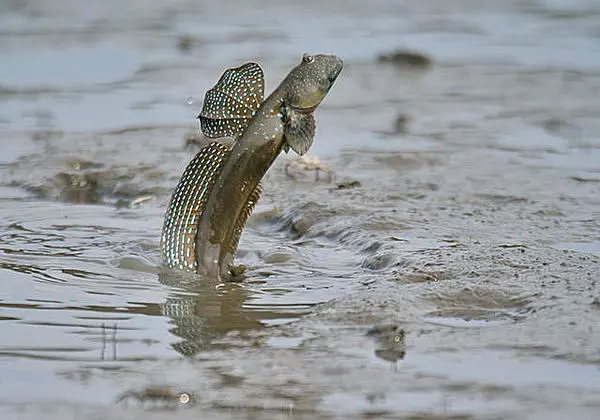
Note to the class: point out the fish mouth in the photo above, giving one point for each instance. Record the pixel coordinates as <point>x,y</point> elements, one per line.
<point>311,109</point>
<point>332,77</point>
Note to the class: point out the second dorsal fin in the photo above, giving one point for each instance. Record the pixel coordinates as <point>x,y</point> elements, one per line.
<point>178,239</point>
<point>232,102</point>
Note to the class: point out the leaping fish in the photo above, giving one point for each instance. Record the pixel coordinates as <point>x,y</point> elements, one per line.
<point>221,185</point>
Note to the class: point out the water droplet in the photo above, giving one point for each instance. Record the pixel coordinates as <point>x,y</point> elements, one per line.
<point>189,100</point>
<point>184,398</point>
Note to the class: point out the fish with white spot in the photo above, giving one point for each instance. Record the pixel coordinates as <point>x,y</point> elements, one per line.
<point>221,185</point>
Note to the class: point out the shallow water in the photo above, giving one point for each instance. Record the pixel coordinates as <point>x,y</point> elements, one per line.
<point>474,226</point>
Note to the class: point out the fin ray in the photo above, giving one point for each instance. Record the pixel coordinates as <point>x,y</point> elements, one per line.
<point>231,103</point>
<point>180,226</point>
<point>299,131</point>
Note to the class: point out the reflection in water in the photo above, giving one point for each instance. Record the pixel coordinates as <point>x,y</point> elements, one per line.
<point>209,310</point>
<point>160,397</point>
<point>109,341</point>
<point>90,304</point>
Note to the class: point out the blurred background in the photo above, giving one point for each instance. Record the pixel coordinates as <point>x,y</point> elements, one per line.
<point>436,255</point>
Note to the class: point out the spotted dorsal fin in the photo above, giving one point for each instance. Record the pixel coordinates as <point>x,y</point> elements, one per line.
<point>299,130</point>
<point>233,101</point>
<point>180,226</point>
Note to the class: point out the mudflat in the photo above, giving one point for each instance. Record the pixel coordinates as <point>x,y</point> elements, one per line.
<point>436,256</point>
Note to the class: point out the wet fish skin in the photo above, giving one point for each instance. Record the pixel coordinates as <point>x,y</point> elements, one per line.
<point>298,95</point>
<point>308,83</point>
<point>221,185</point>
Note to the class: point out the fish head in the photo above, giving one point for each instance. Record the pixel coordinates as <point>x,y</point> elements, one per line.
<point>303,90</point>
<point>308,83</point>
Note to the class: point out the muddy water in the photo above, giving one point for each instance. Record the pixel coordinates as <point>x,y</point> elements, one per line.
<point>448,269</point>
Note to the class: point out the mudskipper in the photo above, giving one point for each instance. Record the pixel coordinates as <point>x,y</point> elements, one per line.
<point>221,185</point>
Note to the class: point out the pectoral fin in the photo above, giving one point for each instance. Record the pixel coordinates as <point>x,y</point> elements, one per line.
<point>233,101</point>
<point>178,239</point>
<point>299,131</point>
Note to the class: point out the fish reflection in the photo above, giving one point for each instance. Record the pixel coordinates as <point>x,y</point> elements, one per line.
<point>109,340</point>
<point>205,310</point>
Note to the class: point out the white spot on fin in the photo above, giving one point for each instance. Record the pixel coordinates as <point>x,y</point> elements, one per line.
<point>233,101</point>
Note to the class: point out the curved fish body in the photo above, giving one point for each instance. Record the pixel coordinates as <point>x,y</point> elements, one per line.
<point>221,185</point>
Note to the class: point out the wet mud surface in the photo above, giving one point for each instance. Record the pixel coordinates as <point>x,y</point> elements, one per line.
<point>437,256</point>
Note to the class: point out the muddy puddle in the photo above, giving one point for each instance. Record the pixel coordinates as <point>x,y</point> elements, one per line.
<point>437,256</point>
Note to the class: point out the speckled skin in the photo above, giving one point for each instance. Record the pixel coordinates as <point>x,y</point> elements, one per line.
<point>180,225</point>
<point>261,142</point>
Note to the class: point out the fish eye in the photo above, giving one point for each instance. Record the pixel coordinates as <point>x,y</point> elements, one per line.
<point>307,58</point>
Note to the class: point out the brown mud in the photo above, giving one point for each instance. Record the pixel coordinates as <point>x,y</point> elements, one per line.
<point>438,256</point>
